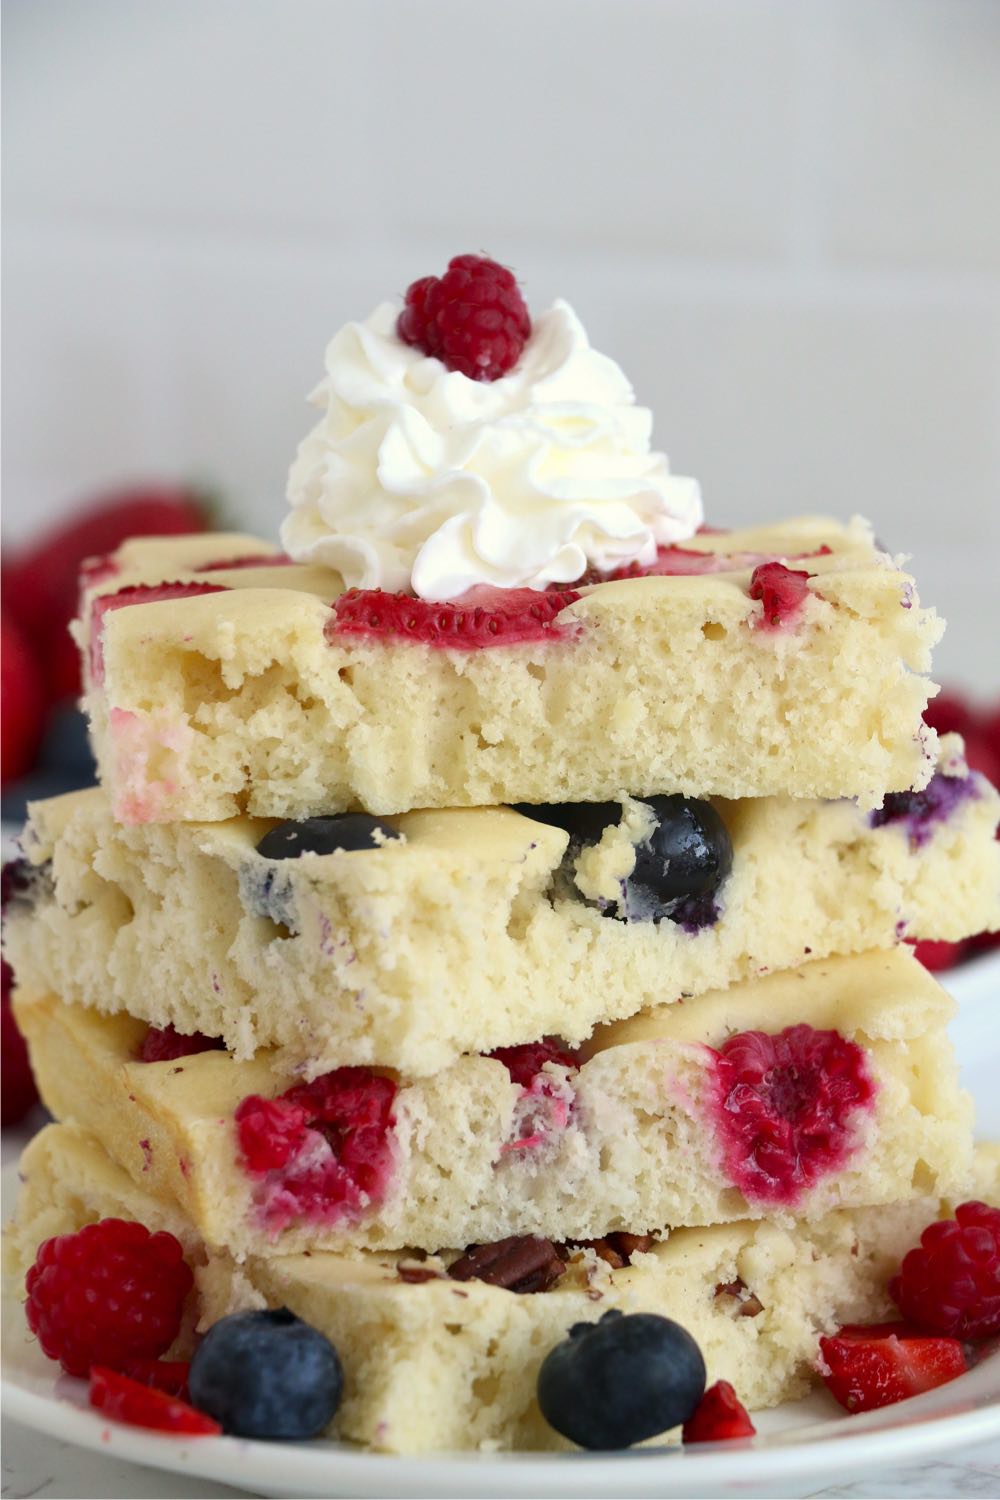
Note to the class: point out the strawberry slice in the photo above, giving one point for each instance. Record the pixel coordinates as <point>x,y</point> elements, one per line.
<point>864,1368</point>
<point>167,1375</point>
<point>135,593</point>
<point>719,1416</point>
<point>482,617</point>
<point>141,1406</point>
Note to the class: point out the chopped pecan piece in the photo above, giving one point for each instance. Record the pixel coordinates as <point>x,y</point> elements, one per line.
<point>413,1272</point>
<point>522,1263</point>
<point>617,1249</point>
<point>749,1305</point>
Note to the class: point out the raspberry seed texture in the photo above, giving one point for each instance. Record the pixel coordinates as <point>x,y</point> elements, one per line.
<point>473,318</point>
<point>950,1284</point>
<point>787,1108</point>
<point>107,1295</point>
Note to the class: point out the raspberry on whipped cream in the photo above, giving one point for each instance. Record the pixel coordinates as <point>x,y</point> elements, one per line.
<point>417,477</point>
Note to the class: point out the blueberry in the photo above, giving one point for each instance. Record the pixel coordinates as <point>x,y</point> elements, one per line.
<point>583,821</point>
<point>266,1375</point>
<point>348,831</point>
<point>688,853</point>
<point>622,1380</point>
<point>678,868</point>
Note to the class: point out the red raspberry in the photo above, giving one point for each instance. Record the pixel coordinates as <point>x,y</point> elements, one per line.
<point>788,1106</point>
<point>163,1044</point>
<point>329,1140</point>
<point>719,1416</point>
<point>782,590</point>
<point>864,1368</point>
<point>951,1283</point>
<point>937,956</point>
<point>143,1406</point>
<point>525,1062</point>
<point>108,1294</point>
<point>473,318</point>
<point>484,617</point>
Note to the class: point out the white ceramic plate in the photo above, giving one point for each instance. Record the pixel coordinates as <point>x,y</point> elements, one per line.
<point>800,1448</point>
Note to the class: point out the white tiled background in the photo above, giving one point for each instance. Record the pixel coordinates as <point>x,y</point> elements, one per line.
<point>781,216</point>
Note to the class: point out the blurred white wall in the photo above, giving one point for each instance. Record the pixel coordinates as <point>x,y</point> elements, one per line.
<point>781,216</point>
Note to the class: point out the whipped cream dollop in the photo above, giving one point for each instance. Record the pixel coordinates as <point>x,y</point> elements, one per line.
<point>418,478</point>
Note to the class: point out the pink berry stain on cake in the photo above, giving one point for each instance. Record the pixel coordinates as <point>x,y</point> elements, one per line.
<point>135,593</point>
<point>919,813</point>
<point>481,617</point>
<point>789,1109</point>
<point>149,757</point>
<point>546,1101</point>
<point>323,1151</point>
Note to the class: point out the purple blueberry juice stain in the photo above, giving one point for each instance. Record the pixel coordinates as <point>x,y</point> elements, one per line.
<point>921,811</point>
<point>267,891</point>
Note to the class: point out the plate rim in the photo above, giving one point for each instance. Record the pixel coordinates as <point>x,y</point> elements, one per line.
<point>343,1468</point>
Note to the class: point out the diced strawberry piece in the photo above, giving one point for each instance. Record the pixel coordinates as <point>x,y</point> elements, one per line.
<point>782,592</point>
<point>482,617</point>
<point>719,1416</point>
<point>142,1406</point>
<point>167,1375</point>
<point>867,1368</point>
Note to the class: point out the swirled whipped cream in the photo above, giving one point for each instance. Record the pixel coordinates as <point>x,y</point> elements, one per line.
<point>418,478</point>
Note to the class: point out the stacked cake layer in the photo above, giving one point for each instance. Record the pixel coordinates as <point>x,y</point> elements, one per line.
<point>492,918</point>
<point>432,1362</point>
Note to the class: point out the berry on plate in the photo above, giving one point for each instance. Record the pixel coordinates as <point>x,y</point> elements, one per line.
<point>145,1406</point>
<point>473,318</point>
<point>267,1375</point>
<point>864,1368</point>
<point>108,1294</point>
<point>719,1417</point>
<point>950,1283</point>
<point>619,1381</point>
